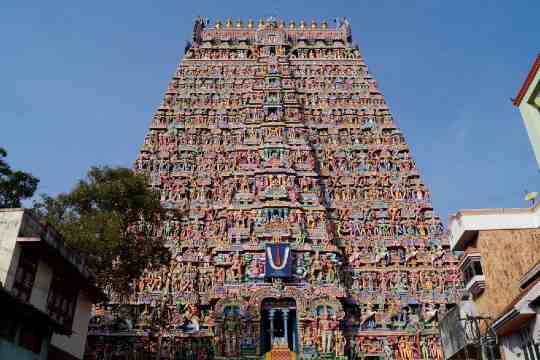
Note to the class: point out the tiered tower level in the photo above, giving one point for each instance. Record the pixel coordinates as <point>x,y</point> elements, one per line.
<point>275,133</point>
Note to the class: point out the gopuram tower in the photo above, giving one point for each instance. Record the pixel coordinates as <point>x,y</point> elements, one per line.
<point>305,225</point>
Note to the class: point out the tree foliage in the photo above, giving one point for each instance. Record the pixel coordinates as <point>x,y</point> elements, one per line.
<point>113,218</point>
<point>14,185</point>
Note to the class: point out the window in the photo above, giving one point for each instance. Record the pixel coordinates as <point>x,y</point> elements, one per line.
<point>25,276</point>
<point>61,301</point>
<point>472,269</point>
<point>530,350</point>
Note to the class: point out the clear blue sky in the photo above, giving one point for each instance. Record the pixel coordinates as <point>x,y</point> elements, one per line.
<point>80,81</point>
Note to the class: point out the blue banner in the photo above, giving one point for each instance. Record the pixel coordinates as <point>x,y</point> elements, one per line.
<point>278,260</point>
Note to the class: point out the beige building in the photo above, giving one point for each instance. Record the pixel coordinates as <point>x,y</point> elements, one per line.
<point>46,292</point>
<point>501,268</point>
<point>528,102</point>
<point>499,317</point>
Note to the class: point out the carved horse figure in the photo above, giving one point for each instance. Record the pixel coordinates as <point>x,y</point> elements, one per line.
<point>367,315</point>
<point>429,314</point>
<point>393,313</point>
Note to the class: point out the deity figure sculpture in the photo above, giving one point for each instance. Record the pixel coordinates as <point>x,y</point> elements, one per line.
<point>301,268</point>
<point>144,318</point>
<point>193,319</point>
<point>237,267</point>
<point>355,257</point>
<point>308,335</point>
<point>316,272</point>
<point>220,275</point>
<point>389,354</point>
<point>405,350</point>
<point>255,269</point>
<point>339,343</point>
<point>231,333</point>
<point>329,269</point>
<point>437,254</point>
<point>435,349</point>
<point>325,332</point>
<point>209,320</point>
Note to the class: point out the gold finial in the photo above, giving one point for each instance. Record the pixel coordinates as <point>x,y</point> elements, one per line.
<point>324,24</point>
<point>292,25</point>
<point>302,24</point>
<point>218,24</point>
<point>250,23</point>
<point>313,24</point>
<point>228,24</point>
<point>239,24</point>
<point>261,24</point>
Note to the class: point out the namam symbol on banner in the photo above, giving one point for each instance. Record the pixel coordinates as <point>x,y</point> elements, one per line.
<point>278,260</point>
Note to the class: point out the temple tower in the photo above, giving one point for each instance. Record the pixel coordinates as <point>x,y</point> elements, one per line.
<point>305,226</point>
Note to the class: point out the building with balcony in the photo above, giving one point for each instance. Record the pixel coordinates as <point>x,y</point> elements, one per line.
<point>46,292</point>
<point>501,271</point>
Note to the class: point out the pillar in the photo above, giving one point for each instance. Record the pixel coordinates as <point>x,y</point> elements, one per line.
<point>293,340</point>
<point>257,335</point>
<point>285,318</point>
<point>271,313</point>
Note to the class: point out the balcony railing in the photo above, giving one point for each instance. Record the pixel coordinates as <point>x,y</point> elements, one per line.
<point>476,285</point>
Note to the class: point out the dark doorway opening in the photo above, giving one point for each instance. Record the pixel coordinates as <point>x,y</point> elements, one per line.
<point>278,323</point>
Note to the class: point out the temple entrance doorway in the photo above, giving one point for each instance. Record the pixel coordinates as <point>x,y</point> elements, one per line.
<point>279,324</point>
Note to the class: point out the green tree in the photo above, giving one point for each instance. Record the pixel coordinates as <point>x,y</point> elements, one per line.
<point>113,218</point>
<point>14,185</point>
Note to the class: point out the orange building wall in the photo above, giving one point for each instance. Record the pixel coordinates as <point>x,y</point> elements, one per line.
<point>506,255</point>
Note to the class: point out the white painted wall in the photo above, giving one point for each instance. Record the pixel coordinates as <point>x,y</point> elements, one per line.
<point>531,117</point>
<point>10,223</point>
<point>76,343</point>
<point>15,256</point>
<point>492,219</point>
<point>42,285</point>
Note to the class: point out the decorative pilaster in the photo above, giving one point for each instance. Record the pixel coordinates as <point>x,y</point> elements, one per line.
<point>300,330</point>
